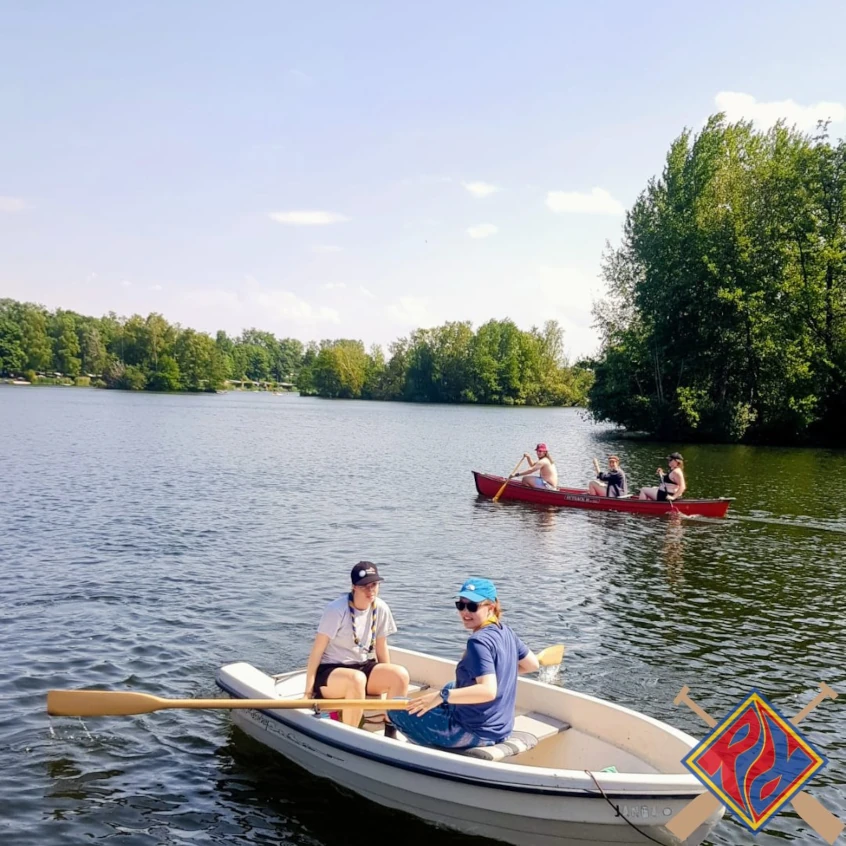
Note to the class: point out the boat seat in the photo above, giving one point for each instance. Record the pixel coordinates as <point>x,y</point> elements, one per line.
<point>529,730</point>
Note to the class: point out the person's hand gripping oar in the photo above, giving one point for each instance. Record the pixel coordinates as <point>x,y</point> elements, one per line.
<point>516,468</point>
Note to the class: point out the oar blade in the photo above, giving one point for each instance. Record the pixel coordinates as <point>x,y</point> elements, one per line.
<point>101,703</point>
<point>551,656</point>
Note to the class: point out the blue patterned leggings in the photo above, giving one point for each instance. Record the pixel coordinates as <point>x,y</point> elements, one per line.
<point>438,727</point>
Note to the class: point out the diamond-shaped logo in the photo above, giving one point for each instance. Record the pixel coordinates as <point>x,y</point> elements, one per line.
<point>754,761</point>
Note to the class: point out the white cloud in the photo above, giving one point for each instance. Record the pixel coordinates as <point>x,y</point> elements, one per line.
<point>482,230</point>
<point>335,286</point>
<point>366,292</point>
<point>307,218</point>
<point>325,248</point>
<point>156,288</point>
<point>546,292</point>
<point>738,106</point>
<point>480,189</point>
<point>288,306</point>
<point>251,301</point>
<point>11,204</point>
<point>412,312</point>
<point>125,283</point>
<point>598,201</point>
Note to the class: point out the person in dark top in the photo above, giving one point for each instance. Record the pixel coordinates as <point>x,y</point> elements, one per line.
<point>477,709</point>
<point>672,485</point>
<point>612,483</point>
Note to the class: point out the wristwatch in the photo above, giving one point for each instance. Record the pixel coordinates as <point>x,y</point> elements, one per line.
<point>445,694</point>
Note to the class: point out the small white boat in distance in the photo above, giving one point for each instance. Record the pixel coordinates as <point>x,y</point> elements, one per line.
<point>541,788</point>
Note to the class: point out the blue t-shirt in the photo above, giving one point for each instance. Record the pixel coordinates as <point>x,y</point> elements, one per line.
<point>493,649</point>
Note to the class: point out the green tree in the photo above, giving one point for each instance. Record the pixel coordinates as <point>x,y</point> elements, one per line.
<point>66,345</point>
<point>94,355</point>
<point>340,369</point>
<point>35,337</point>
<point>724,317</point>
<point>199,360</point>
<point>12,354</point>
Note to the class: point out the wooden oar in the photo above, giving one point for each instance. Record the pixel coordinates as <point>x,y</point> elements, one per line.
<point>516,468</point>
<point>109,703</point>
<point>551,656</point>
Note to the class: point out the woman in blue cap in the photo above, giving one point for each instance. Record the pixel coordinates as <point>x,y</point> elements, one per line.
<point>477,709</point>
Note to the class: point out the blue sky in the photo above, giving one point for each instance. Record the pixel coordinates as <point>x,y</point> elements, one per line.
<point>360,169</point>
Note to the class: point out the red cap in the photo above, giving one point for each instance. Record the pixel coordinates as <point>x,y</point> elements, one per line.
<point>541,448</point>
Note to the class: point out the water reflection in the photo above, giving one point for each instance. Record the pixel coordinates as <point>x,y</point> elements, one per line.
<point>672,550</point>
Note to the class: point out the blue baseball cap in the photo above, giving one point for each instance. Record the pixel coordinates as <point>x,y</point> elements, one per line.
<point>478,590</point>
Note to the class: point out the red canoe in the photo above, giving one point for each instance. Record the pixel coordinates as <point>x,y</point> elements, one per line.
<point>488,485</point>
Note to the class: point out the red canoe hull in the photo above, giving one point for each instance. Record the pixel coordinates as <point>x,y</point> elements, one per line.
<point>488,485</point>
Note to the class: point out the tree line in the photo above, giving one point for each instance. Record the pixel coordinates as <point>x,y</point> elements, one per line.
<point>497,364</point>
<point>725,317</point>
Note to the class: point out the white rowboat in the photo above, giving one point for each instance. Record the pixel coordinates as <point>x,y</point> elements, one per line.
<point>546,795</point>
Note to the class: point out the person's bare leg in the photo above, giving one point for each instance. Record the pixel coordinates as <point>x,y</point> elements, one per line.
<point>598,488</point>
<point>388,678</point>
<point>346,683</point>
<point>648,493</point>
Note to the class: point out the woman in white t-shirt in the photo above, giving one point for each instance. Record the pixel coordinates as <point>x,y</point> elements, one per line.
<point>350,656</point>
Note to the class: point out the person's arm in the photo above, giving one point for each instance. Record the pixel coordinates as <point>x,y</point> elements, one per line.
<point>321,641</point>
<point>385,626</point>
<point>529,664</point>
<point>383,654</point>
<point>475,694</point>
<point>682,487</point>
<point>532,467</point>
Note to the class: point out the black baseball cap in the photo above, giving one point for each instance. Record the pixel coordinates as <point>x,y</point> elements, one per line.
<point>365,573</point>
<point>675,456</point>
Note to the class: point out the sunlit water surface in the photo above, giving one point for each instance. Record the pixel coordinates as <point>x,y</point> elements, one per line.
<point>148,539</point>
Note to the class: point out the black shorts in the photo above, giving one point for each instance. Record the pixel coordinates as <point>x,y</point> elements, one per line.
<point>662,495</point>
<point>322,674</point>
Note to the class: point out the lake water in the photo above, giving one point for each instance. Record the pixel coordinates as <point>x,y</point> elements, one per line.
<point>149,539</point>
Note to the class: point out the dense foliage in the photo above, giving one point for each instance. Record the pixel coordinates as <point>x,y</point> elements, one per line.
<point>498,363</point>
<point>136,353</point>
<point>726,312</point>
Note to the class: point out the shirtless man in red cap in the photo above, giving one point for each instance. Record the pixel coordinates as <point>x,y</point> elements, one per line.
<point>544,466</point>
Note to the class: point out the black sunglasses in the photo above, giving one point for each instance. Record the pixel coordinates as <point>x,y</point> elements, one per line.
<point>472,607</point>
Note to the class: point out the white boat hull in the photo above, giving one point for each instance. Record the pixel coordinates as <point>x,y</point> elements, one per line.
<point>514,803</point>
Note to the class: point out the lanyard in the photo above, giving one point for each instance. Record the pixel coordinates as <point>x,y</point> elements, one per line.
<point>372,623</point>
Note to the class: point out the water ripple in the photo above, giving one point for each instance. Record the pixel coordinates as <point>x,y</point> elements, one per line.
<point>149,539</point>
